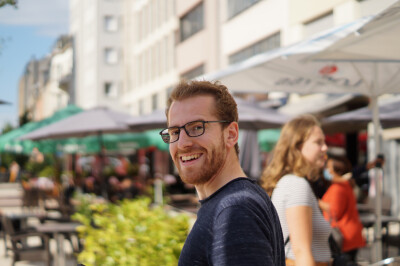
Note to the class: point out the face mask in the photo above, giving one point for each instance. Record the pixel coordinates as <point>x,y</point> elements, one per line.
<point>327,175</point>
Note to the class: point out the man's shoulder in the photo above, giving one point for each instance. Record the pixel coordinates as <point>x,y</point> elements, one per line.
<point>243,193</point>
<point>242,189</point>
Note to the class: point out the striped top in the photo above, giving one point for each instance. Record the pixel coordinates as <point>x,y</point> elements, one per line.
<point>292,191</point>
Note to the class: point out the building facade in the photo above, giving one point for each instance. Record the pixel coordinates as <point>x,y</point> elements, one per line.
<point>96,26</point>
<point>166,40</point>
<point>45,85</point>
<point>149,49</point>
<point>215,34</point>
<point>31,88</point>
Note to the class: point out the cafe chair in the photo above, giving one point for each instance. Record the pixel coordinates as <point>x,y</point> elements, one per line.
<point>21,247</point>
<point>386,204</point>
<point>30,199</point>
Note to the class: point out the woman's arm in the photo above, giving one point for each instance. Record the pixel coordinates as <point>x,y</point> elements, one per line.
<point>337,200</point>
<point>299,220</point>
<point>324,206</point>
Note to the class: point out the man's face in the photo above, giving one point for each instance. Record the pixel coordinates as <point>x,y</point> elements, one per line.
<point>198,159</point>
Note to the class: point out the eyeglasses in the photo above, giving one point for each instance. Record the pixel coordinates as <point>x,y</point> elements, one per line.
<point>192,129</point>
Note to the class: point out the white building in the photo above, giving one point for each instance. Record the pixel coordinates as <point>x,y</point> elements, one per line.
<point>31,86</point>
<point>45,85</point>
<point>215,34</point>
<point>149,51</point>
<point>96,26</point>
<point>55,95</point>
<point>165,40</point>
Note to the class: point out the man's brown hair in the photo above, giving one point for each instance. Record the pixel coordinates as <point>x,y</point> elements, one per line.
<point>225,105</point>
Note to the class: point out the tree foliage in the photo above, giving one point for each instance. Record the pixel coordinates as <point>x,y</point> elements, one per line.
<point>2,4</point>
<point>8,2</point>
<point>24,118</point>
<point>7,128</point>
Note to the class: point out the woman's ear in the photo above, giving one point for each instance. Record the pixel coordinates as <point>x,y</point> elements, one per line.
<point>232,134</point>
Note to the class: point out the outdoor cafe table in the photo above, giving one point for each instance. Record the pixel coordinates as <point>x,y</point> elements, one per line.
<point>22,218</point>
<point>57,230</point>
<point>368,219</point>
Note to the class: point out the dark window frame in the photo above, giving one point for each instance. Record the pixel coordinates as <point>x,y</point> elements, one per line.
<point>192,22</point>
<point>262,46</point>
<point>194,72</point>
<point>235,7</point>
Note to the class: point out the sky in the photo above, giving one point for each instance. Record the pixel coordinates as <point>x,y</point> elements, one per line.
<point>26,32</point>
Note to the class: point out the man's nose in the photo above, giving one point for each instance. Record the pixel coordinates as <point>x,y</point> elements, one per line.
<point>184,139</point>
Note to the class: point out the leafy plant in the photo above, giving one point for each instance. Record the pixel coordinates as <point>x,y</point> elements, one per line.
<point>108,171</point>
<point>33,167</point>
<point>132,233</point>
<point>47,171</point>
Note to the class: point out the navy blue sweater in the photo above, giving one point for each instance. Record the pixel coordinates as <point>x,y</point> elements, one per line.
<point>237,225</point>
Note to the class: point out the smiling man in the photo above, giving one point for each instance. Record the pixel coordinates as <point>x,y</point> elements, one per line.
<point>237,223</point>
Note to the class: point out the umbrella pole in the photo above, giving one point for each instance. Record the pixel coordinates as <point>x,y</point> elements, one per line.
<point>378,185</point>
<point>103,184</point>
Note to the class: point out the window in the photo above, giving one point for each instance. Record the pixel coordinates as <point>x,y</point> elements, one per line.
<point>318,24</point>
<point>110,23</point>
<point>110,56</point>
<point>237,6</point>
<point>141,107</point>
<point>192,22</point>
<point>110,89</point>
<point>169,91</point>
<point>195,72</point>
<point>154,100</point>
<point>269,43</point>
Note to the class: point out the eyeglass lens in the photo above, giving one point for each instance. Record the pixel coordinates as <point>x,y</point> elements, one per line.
<point>193,129</point>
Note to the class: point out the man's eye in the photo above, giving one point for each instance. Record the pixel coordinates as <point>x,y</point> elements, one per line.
<point>173,132</point>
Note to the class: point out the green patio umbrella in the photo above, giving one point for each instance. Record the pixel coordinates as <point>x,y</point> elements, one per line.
<point>9,142</point>
<point>267,139</point>
<point>116,142</point>
<point>124,142</point>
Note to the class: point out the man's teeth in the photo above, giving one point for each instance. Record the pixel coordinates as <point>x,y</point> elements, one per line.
<point>190,157</point>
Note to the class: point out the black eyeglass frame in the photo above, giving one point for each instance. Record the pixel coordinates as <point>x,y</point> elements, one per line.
<point>187,133</point>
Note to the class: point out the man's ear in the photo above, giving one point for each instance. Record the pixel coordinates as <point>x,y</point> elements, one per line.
<point>232,134</point>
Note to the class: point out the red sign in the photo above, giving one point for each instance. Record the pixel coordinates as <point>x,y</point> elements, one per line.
<point>328,70</point>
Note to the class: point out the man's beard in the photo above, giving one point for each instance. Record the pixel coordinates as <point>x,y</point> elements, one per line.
<point>213,164</point>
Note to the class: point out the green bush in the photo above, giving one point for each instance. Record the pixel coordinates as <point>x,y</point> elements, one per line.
<point>47,171</point>
<point>34,168</point>
<point>132,233</point>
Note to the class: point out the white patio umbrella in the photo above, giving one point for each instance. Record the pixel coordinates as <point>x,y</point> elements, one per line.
<point>96,121</point>
<point>251,116</point>
<point>154,120</point>
<point>289,69</point>
<point>389,116</point>
<point>374,54</point>
<point>378,40</point>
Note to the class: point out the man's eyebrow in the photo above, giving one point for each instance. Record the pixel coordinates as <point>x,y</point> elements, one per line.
<point>196,120</point>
